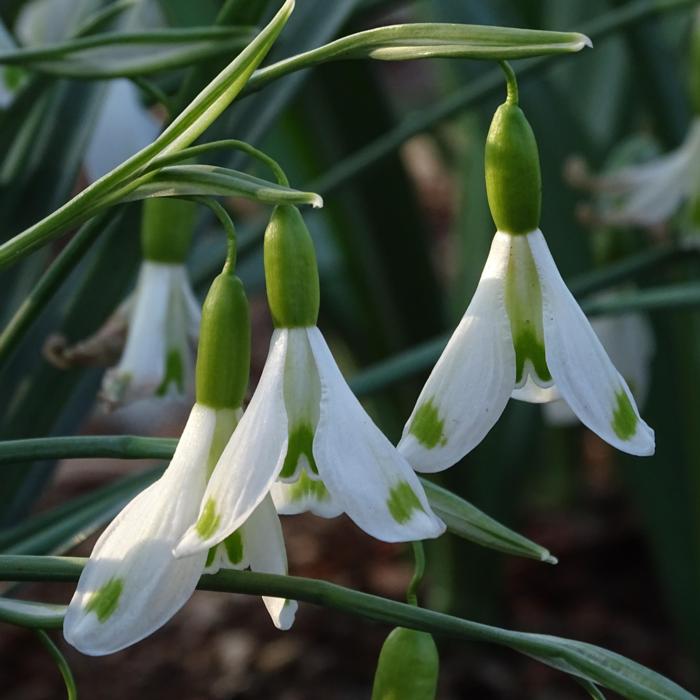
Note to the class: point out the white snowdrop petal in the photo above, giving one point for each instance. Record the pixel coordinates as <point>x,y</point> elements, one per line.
<point>582,371</point>
<point>363,471</point>
<point>264,542</point>
<point>473,379</point>
<point>132,584</point>
<point>250,462</point>
<point>532,392</point>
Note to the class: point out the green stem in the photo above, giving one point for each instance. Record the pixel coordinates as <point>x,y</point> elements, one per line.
<point>51,281</point>
<point>418,572</point>
<point>511,82</point>
<point>61,663</point>
<point>585,660</point>
<point>227,224</point>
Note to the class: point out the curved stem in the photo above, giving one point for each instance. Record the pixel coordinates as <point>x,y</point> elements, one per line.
<point>418,571</point>
<point>511,82</point>
<point>225,220</point>
<point>61,663</point>
<point>233,144</point>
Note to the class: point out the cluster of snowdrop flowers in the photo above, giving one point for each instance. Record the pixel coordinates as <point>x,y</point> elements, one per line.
<point>132,583</point>
<point>523,334</point>
<point>305,440</point>
<point>162,314</point>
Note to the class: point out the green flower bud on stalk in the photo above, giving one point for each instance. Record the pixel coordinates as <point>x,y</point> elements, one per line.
<point>407,668</point>
<point>513,179</point>
<point>166,229</point>
<point>291,273</point>
<point>223,358</point>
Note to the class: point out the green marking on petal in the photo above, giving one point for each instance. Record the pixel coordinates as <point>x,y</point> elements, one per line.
<point>625,420</point>
<point>427,426</point>
<point>104,601</point>
<point>211,555</point>
<point>402,502</point>
<point>306,487</point>
<point>301,441</point>
<point>523,297</point>
<point>233,545</point>
<point>208,520</point>
<point>174,373</point>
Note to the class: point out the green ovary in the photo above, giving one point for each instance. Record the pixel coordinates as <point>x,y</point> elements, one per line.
<point>625,420</point>
<point>402,502</point>
<point>105,600</point>
<point>306,487</point>
<point>523,297</point>
<point>427,426</point>
<point>300,443</point>
<point>208,520</point>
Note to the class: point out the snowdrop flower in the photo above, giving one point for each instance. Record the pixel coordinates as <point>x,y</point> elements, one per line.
<point>305,427</point>
<point>132,583</point>
<point>629,341</point>
<point>650,193</point>
<point>523,334</point>
<point>163,315</point>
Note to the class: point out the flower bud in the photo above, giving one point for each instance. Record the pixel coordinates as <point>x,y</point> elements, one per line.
<point>513,180</point>
<point>223,358</point>
<point>166,229</point>
<point>407,668</point>
<point>291,273</point>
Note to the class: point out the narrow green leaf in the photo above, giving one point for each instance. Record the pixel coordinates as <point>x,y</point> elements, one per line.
<point>189,125</point>
<point>130,54</point>
<point>27,613</point>
<point>403,42</point>
<point>467,521</point>
<point>201,180</point>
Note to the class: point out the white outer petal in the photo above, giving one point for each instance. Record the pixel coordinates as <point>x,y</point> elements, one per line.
<point>475,375</point>
<point>137,549</point>
<point>264,543</point>
<point>357,462</point>
<point>253,457</point>
<point>582,371</point>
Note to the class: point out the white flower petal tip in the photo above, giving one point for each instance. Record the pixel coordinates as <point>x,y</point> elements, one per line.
<point>282,612</point>
<point>472,381</point>
<point>582,370</point>
<point>305,495</point>
<point>586,41</point>
<point>317,201</point>
<point>363,471</point>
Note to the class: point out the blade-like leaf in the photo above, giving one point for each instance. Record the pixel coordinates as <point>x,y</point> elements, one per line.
<point>143,53</point>
<point>467,521</point>
<point>31,614</point>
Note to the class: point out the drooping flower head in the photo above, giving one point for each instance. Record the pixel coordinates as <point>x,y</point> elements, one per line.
<point>163,315</point>
<point>523,334</point>
<point>132,583</point>
<point>305,438</point>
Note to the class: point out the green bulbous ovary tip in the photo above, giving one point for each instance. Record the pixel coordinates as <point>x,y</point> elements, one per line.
<point>512,168</point>
<point>167,225</point>
<point>223,356</point>
<point>291,272</point>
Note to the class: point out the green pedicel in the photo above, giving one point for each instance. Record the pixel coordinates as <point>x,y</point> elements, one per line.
<point>291,273</point>
<point>427,426</point>
<point>625,420</point>
<point>402,502</point>
<point>105,600</point>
